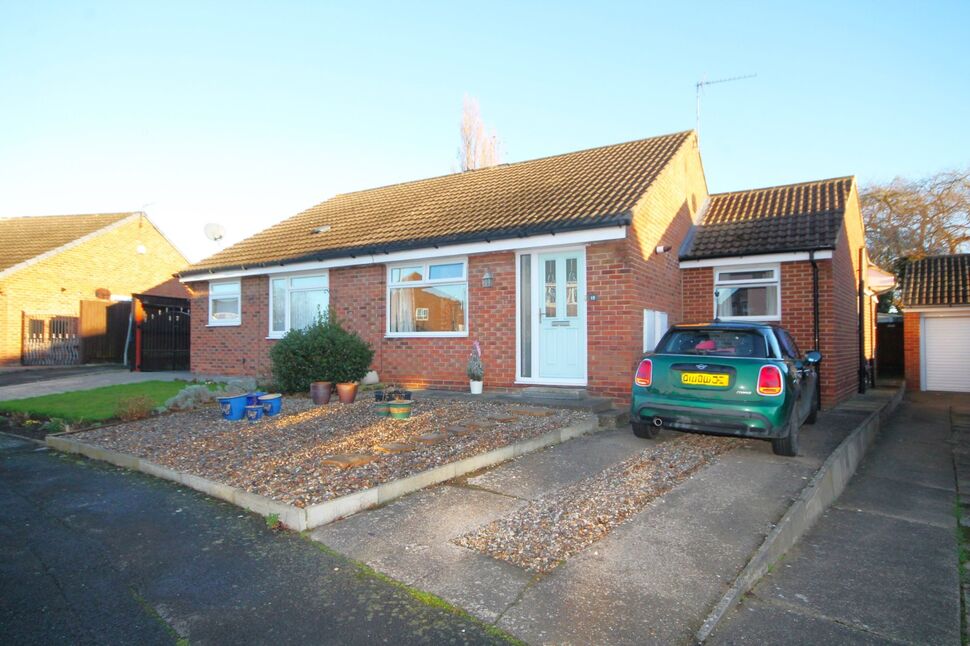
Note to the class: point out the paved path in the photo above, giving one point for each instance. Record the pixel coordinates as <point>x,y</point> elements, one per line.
<point>653,580</point>
<point>94,554</point>
<point>881,565</point>
<point>81,380</point>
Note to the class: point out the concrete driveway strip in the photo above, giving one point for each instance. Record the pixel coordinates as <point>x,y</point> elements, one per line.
<point>881,566</point>
<point>93,554</point>
<point>96,378</point>
<point>652,580</point>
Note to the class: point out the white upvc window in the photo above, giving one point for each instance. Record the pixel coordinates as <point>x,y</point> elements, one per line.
<point>747,293</point>
<point>296,301</point>
<point>428,298</point>
<point>225,303</point>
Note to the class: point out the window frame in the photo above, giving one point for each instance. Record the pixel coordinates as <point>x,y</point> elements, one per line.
<point>426,281</point>
<point>214,322</point>
<point>748,282</point>
<point>276,334</point>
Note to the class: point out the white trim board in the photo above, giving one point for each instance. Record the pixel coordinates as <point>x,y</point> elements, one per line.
<point>567,238</point>
<point>940,310</point>
<point>794,256</point>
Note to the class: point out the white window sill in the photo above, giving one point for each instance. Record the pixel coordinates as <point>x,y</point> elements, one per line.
<point>233,324</point>
<point>274,337</point>
<point>425,335</point>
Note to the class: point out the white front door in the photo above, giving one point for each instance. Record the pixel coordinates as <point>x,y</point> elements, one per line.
<point>552,317</point>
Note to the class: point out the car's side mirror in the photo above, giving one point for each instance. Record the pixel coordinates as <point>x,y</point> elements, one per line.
<point>813,356</point>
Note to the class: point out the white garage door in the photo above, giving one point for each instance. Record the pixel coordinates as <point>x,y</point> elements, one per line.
<point>946,353</point>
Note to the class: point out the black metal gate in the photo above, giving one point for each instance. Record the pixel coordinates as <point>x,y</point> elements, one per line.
<point>162,333</point>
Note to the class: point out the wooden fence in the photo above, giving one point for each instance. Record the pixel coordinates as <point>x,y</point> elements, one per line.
<point>104,329</point>
<point>50,340</point>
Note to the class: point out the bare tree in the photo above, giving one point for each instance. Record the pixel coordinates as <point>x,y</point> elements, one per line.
<point>479,146</point>
<point>917,218</point>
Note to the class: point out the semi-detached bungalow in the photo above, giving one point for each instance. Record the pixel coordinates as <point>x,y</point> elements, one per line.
<point>565,268</point>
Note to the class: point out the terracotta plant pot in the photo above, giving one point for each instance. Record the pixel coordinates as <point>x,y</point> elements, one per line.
<point>347,393</point>
<point>320,392</point>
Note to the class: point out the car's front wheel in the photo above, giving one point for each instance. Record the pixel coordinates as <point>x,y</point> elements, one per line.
<point>645,431</point>
<point>788,445</point>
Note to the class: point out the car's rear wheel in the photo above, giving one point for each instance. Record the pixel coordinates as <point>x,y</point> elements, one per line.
<point>645,431</point>
<point>788,445</point>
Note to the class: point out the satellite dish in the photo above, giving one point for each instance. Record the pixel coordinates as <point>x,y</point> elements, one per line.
<point>214,231</point>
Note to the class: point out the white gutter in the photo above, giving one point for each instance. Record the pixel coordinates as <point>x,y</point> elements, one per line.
<point>567,238</point>
<point>727,261</point>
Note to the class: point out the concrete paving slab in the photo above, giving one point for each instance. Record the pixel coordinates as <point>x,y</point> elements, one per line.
<point>929,465</point>
<point>760,623</point>
<point>888,582</point>
<point>400,541</point>
<point>654,579</point>
<point>899,499</point>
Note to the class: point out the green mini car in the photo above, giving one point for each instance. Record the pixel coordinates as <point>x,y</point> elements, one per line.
<point>741,379</point>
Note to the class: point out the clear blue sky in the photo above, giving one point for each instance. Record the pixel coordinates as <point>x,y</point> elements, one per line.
<point>245,113</point>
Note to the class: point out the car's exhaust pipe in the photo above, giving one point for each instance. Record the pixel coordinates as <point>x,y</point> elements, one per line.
<point>658,422</point>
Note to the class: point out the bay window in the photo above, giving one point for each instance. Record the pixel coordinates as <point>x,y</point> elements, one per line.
<point>297,301</point>
<point>747,293</point>
<point>428,298</point>
<point>225,303</point>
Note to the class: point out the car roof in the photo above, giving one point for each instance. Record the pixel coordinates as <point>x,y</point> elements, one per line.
<point>726,325</point>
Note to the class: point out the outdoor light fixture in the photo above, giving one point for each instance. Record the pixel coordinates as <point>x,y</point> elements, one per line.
<point>487,279</point>
<point>662,248</point>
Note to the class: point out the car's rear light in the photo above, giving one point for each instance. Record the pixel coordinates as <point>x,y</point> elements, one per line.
<point>770,381</point>
<point>644,373</point>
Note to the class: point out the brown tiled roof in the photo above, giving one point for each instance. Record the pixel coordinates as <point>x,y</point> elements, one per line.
<point>793,217</point>
<point>24,238</point>
<point>585,189</point>
<point>937,280</point>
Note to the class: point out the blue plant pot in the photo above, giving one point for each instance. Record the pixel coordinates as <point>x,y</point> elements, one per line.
<point>254,413</point>
<point>272,404</point>
<point>233,407</point>
<point>252,399</point>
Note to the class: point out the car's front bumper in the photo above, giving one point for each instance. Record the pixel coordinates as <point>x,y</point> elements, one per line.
<point>715,421</point>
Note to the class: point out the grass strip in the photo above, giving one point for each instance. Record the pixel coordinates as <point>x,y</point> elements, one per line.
<point>94,405</point>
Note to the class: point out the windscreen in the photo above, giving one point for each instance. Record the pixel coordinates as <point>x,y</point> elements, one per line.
<point>721,343</point>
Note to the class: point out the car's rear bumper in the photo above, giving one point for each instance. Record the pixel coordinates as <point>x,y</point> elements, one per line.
<point>715,421</point>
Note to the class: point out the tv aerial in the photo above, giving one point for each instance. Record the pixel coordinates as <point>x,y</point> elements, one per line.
<point>214,231</point>
<point>700,88</point>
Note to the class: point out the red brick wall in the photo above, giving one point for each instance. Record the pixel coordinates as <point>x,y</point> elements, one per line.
<point>236,349</point>
<point>357,296</point>
<point>57,284</point>
<point>911,356</point>
<point>796,314</point>
<point>441,362</point>
<point>628,276</point>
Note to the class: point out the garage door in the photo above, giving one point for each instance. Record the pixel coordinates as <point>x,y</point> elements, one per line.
<point>946,354</point>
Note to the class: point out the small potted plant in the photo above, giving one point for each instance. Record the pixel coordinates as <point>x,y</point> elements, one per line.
<point>350,362</point>
<point>399,405</point>
<point>476,369</point>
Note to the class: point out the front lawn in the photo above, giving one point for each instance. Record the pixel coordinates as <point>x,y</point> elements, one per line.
<point>95,405</point>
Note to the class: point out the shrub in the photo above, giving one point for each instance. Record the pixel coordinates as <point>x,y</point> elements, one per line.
<point>132,408</point>
<point>324,351</point>
<point>189,397</point>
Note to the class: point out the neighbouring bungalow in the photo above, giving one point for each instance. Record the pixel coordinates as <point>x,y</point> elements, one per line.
<point>936,323</point>
<point>51,265</point>
<point>565,268</point>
